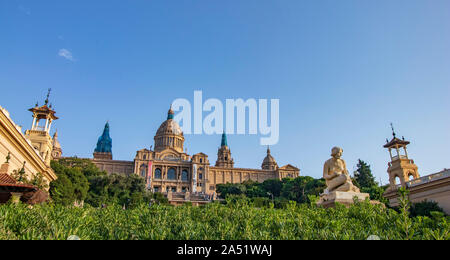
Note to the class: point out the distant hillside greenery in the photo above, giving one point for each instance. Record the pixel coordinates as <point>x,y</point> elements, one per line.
<point>238,219</point>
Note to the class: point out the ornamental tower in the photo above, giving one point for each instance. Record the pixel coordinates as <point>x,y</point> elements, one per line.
<point>269,162</point>
<point>224,154</point>
<point>56,151</point>
<point>401,168</point>
<point>103,151</point>
<point>39,134</point>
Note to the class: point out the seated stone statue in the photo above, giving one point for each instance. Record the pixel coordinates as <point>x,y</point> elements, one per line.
<point>336,174</point>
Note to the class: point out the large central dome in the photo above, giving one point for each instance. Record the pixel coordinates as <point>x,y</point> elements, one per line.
<point>169,135</point>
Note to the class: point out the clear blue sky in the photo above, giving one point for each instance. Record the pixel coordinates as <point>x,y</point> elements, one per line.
<point>343,70</point>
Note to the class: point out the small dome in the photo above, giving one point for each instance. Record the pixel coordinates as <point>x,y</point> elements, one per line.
<point>269,162</point>
<point>269,159</point>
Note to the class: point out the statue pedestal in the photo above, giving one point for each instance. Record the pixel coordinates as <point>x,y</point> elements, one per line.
<point>346,198</point>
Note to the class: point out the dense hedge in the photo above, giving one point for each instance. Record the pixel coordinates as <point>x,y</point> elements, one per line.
<point>236,220</point>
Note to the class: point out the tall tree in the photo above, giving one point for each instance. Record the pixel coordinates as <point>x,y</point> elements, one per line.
<point>363,175</point>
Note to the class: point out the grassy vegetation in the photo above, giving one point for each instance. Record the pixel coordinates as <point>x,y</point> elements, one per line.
<point>236,220</point>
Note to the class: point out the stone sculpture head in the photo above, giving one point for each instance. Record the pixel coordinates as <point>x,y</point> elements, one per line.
<point>336,152</point>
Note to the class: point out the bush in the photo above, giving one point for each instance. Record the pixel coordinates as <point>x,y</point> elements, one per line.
<point>237,220</point>
<point>425,208</point>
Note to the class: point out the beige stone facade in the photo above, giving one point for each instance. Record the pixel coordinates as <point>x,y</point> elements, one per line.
<point>32,152</point>
<point>169,169</point>
<point>403,172</point>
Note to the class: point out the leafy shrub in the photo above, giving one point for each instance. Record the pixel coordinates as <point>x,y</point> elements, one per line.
<point>238,219</point>
<point>425,208</point>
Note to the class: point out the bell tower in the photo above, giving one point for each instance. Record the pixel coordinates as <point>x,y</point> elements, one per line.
<point>224,154</point>
<point>401,168</point>
<point>39,134</point>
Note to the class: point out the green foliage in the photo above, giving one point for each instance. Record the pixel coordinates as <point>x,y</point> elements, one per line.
<point>425,208</point>
<point>238,219</point>
<point>297,189</point>
<point>300,188</point>
<point>80,180</point>
<point>117,189</point>
<point>37,180</point>
<point>231,189</point>
<point>71,185</point>
<point>86,166</point>
<point>376,193</point>
<point>363,175</point>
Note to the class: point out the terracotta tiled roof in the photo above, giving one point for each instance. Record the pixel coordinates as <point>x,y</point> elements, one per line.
<point>6,179</point>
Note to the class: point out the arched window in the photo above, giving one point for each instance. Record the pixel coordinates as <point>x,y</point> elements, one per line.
<point>171,174</point>
<point>411,176</point>
<point>157,173</point>
<point>184,175</point>
<point>143,170</point>
<point>397,180</point>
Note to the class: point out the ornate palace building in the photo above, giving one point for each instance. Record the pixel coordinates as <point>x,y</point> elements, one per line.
<point>403,172</point>
<point>28,154</point>
<point>169,169</point>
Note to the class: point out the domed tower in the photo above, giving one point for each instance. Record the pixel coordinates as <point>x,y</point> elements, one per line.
<point>224,154</point>
<point>269,162</point>
<point>103,151</point>
<point>169,135</point>
<point>57,151</point>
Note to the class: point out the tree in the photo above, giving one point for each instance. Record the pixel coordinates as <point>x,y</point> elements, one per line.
<point>300,188</point>
<point>230,189</point>
<point>363,175</point>
<point>73,180</point>
<point>62,191</point>
<point>118,189</point>
<point>272,186</point>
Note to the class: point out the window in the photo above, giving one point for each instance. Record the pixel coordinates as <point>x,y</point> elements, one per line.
<point>200,176</point>
<point>156,189</point>
<point>157,173</point>
<point>183,189</point>
<point>201,160</point>
<point>145,157</point>
<point>143,170</point>
<point>212,188</point>
<point>174,189</point>
<point>171,174</point>
<point>184,175</point>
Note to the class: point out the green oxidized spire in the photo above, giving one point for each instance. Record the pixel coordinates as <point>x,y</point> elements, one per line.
<point>224,139</point>
<point>104,144</point>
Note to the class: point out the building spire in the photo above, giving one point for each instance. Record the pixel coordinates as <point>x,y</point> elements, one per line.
<point>170,113</point>
<point>224,139</point>
<point>104,144</point>
<point>48,96</point>
<point>393,131</point>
